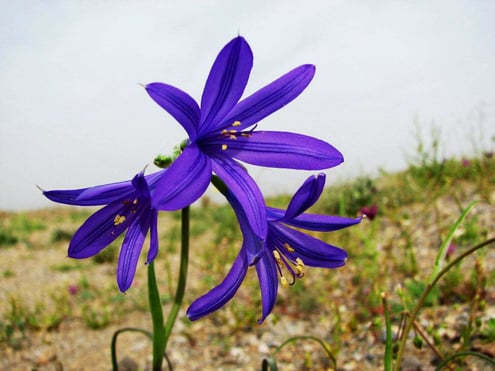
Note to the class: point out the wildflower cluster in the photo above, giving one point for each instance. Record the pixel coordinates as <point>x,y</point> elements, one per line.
<point>222,130</point>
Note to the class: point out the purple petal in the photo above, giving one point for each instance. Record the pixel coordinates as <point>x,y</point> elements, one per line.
<point>131,250</point>
<point>271,98</point>
<point>268,279</point>
<point>99,195</point>
<point>322,223</point>
<point>153,251</point>
<point>226,82</point>
<point>141,185</point>
<point>178,103</point>
<point>184,182</point>
<point>98,231</point>
<point>279,149</point>
<point>312,251</point>
<point>245,190</point>
<point>92,196</point>
<point>252,244</point>
<point>305,196</point>
<point>221,294</point>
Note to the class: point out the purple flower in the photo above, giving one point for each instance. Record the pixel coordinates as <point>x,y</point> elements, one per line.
<point>128,207</point>
<point>222,131</point>
<point>370,211</point>
<point>450,251</point>
<point>285,252</point>
<point>73,289</point>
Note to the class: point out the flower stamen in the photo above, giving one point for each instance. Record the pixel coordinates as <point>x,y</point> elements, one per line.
<point>288,247</point>
<point>295,267</point>
<point>119,219</point>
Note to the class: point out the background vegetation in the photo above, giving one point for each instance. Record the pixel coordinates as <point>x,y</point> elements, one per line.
<point>392,251</point>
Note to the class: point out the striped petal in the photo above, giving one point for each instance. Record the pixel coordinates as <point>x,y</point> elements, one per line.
<point>322,223</point>
<point>184,182</point>
<point>226,82</point>
<point>268,280</point>
<point>312,251</point>
<point>98,231</point>
<point>92,196</point>
<point>251,243</point>
<point>221,294</point>
<point>270,98</point>
<point>305,197</point>
<point>178,103</point>
<point>245,190</point>
<point>153,251</point>
<point>131,250</point>
<point>278,149</point>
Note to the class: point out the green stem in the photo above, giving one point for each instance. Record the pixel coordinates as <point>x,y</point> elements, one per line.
<point>388,340</point>
<point>465,354</point>
<point>161,332</point>
<point>115,365</point>
<point>156,319</point>
<point>429,287</point>
<point>181,285</point>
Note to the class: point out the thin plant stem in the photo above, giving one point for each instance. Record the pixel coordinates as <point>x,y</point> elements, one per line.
<point>113,347</point>
<point>465,354</point>
<point>161,332</point>
<point>421,300</point>
<point>156,319</point>
<point>419,330</point>
<point>388,340</point>
<point>181,284</point>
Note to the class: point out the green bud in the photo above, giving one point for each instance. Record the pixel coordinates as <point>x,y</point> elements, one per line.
<point>163,161</point>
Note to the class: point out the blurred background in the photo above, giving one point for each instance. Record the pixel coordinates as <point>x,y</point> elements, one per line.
<point>72,113</point>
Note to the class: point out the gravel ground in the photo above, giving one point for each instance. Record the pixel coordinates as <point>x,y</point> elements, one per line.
<point>215,343</point>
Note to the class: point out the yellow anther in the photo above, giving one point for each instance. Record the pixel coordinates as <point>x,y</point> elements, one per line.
<point>245,135</point>
<point>119,219</point>
<point>299,271</point>
<point>224,132</point>
<point>299,267</point>
<point>135,201</point>
<point>284,282</point>
<point>232,131</point>
<point>288,248</point>
<point>232,137</point>
<point>277,257</point>
<point>224,147</point>
<point>236,123</point>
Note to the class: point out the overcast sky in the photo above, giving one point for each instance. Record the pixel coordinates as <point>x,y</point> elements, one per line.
<point>72,113</point>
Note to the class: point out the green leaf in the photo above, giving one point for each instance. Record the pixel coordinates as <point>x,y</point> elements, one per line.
<point>269,364</point>
<point>440,258</point>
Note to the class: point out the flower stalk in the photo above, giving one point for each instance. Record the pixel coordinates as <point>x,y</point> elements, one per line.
<point>158,337</point>
<point>181,284</point>
<point>161,331</point>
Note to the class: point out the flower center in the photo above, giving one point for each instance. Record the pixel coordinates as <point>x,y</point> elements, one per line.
<point>130,207</point>
<point>294,267</point>
<point>234,134</point>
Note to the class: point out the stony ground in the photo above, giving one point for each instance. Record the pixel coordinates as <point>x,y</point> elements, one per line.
<point>221,341</point>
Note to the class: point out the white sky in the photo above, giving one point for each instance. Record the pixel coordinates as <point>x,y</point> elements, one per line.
<point>72,114</point>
